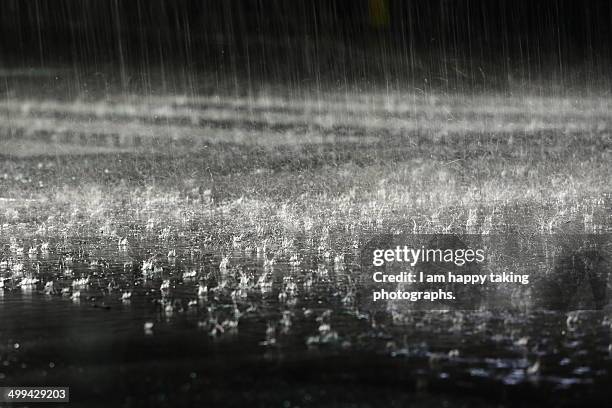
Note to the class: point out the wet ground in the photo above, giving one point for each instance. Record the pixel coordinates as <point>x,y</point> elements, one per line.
<point>132,326</point>
<point>208,251</point>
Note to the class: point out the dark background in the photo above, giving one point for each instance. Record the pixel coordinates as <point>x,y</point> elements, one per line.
<point>448,43</point>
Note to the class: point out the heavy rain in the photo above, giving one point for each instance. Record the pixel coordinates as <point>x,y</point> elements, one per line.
<point>192,194</point>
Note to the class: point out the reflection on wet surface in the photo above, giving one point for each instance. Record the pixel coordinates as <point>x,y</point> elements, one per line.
<point>123,323</point>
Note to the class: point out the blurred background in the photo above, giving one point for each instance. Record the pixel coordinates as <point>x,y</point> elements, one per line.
<point>454,46</point>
